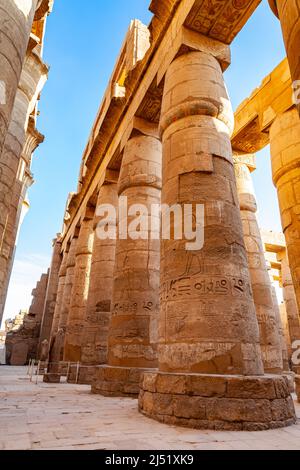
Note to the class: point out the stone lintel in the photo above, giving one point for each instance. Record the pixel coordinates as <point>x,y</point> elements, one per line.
<point>273,241</point>
<point>139,126</point>
<point>256,114</point>
<point>190,40</point>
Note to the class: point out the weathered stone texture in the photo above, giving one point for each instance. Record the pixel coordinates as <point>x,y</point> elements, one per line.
<point>98,311</point>
<point>79,294</point>
<point>268,318</point>
<point>217,402</point>
<point>290,299</point>
<point>285,150</point>
<point>207,321</point>
<point>51,294</point>
<point>15,25</point>
<point>133,331</point>
<point>288,12</point>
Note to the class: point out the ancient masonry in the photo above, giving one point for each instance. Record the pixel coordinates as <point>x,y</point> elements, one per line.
<point>197,336</point>
<point>23,75</point>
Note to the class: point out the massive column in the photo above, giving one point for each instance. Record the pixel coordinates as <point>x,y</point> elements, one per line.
<point>15,26</point>
<point>79,293</point>
<point>285,151</point>
<point>33,78</point>
<point>98,311</point>
<point>60,293</point>
<point>270,340</point>
<point>68,285</point>
<point>132,343</point>
<point>289,298</point>
<point>210,365</point>
<point>51,295</point>
<point>288,11</point>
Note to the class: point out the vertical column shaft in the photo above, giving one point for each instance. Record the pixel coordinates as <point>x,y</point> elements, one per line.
<point>290,299</point>
<point>132,339</point>
<point>51,295</point>
<point>98,312</point>
<point>207,321</point>
<point>268,320</point>
<point>76,317</point>
<point>285,151</point>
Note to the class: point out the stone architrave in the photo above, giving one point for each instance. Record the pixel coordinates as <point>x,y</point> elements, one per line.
<point>211,372</point>
<point>132,339</point>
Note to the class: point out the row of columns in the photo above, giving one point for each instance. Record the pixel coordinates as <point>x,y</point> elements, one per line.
<point>192,332</point>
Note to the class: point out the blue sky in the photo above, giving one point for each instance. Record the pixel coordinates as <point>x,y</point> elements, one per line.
<point>83,40</point>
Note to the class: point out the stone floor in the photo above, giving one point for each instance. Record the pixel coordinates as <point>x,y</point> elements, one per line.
<point>67,416</point>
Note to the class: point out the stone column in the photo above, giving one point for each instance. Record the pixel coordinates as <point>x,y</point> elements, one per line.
<point>132,343</point>
<point>56,343</point>
<point>16,19</point>
<point>33,78</point>
<point>285,151</point>
<point>76,317</point>
<point>60,293</point>
<point>98,312</point>
<point>68,287</point>
<point>268,320</point>
<point>51,295</point>
<point>210,365</point>
<point>285,325</point>
<point>289,298</point>
<point>288,11</point>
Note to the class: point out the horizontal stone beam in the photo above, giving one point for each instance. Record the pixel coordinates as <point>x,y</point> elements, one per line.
<point>256,114</point>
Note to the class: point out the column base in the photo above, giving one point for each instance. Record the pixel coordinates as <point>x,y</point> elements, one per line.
<point>297,379</point>
<point>86,375</point>
<point>217,402</point>
<point>117,381</point>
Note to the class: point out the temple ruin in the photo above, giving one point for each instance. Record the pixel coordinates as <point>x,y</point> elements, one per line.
<point>199,337</point>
